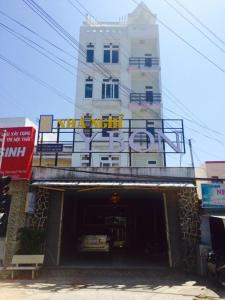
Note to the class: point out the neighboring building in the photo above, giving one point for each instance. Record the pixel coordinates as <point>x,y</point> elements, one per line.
<point>211,191</point>
<point>213,170</point>
<point>19,187</point>
<point>17,122</point>
<point>120,75</point>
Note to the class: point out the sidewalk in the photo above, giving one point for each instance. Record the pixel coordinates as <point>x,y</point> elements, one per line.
<point>111,285</point>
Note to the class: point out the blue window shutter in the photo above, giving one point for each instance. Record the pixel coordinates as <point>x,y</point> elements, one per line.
<point>103,91</point>
<point>115,56</point>
<point>148,61</point>
<point>88,90</point>
<point>90,55</point>
<point>149,96</point>
<point>108,90</point>
<point>116,91</point>
<point>106,56</point>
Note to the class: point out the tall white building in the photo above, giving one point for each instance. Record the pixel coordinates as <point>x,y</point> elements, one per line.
<point>119,74</point>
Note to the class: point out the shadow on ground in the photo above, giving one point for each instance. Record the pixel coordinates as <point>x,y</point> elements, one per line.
<point>152,281</point>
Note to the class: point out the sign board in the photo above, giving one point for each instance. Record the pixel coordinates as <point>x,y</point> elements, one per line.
<point>111,134</point>
<point>16,152</point>
<point>213,195</point>
<point>50,148</point>
<point>30,203</point>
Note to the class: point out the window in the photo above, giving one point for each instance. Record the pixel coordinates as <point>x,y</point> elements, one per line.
<point>105,131</point>
<point>110,89</point>
<point>110,161</point>
<point>152,162</point>
<point>106,56</point>
<point>111,54</point>
<point>150,127</point>
<point>85,160</point>
<point>142,137</point>
<point>148,60</point>
<point>115,56</point>
<point>149,94</point>
<point>89,88</point>
<point>90,53</point>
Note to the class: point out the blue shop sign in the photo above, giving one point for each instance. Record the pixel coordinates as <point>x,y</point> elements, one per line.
<point>213,195</point>
<point>50,148</point>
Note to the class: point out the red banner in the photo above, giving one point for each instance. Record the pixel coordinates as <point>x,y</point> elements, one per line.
<point>16,152</point>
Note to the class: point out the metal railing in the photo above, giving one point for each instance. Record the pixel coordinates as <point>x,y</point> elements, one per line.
<point>145,97</point>
<point>146,62</point>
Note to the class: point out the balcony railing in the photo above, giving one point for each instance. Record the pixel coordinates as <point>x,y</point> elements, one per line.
<point>146,62</point>
<point>148,97</point>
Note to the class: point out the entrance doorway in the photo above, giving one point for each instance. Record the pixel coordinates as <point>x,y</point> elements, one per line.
<point>113,227</point>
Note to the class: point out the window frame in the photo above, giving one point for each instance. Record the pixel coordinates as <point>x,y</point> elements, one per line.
<point>113,54</point>
<point>90,47</point>
<point>110,161</point>
<point>105,132</point>
<point>110,89</point>
<point>88,82</point>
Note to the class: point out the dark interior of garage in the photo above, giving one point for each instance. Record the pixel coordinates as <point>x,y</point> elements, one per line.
<point>112,226</point>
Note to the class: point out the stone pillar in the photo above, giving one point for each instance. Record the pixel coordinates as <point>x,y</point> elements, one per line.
<point>190,227</point>
<point>39,219</point>
<point>17,217</point>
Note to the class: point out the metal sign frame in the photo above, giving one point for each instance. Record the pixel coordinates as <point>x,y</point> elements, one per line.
<point>71,137</point>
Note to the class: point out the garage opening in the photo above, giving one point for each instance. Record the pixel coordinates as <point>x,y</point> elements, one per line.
<point>113,227</point>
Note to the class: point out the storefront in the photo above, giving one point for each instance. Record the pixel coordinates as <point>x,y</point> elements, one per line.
<point>121,212</point>
<point>92,220</point>
<point>212,221</point>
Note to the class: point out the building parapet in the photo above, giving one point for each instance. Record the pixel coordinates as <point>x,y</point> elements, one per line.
<point>159,174</point>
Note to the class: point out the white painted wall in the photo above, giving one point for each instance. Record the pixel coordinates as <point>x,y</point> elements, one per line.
<point>135,37</point>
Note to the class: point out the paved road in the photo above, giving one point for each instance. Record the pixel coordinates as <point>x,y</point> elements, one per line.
<point>110,285</point>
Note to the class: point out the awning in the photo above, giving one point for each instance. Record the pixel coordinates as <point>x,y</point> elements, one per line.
<point>111,184</point>
<point>214,216</point>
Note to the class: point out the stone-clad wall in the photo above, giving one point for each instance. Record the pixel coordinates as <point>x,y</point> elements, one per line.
<point>40,218</point>
<point>17,217</point>
<point>190,227</point>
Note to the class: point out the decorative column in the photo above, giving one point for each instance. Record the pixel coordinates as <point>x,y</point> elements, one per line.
<point>40,217</point>
<point>190,226</point>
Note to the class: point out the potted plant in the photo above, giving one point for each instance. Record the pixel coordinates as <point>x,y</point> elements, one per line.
<point>31,241</point>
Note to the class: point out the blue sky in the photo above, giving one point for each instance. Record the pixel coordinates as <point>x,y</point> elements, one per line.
<point>197,84</point>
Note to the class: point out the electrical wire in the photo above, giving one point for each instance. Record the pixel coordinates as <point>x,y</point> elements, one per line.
<point>196,27</point>
<point>200,22</point>
<point>164,89</point>
<point>184,41</point>
<point>82,50</point>
<point>25,39</point>
<point>38,80</point>
<point>38,35</point>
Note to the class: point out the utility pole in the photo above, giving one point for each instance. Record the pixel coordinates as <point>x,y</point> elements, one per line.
<point>2,148</point>
<point>191,152</point>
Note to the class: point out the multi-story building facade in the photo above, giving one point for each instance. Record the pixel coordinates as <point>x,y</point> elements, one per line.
<point>111,204</point>
<point>119,74</point>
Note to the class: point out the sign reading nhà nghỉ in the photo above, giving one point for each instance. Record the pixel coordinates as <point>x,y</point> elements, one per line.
<point>85,122</point>
<point>17,147</point>
<point>213,195</point>
<point>90,122</point>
